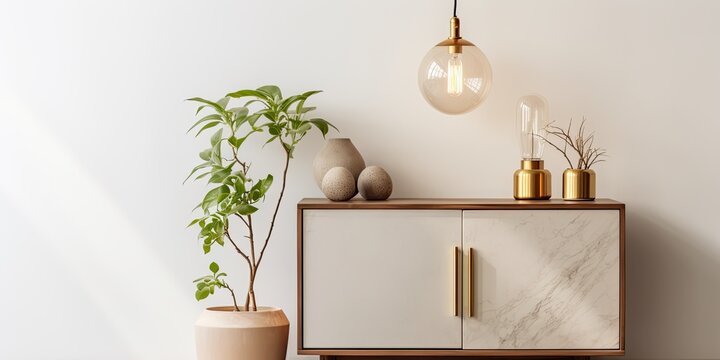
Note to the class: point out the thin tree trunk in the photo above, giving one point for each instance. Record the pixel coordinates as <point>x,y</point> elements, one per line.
<point>277,207</point>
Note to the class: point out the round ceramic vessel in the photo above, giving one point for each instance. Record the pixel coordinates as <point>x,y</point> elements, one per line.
<point>224,334</point>
<point>339,184</point>
<point>337,152</point>
<point>375,183</point>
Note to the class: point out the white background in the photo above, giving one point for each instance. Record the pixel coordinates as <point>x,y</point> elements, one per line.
<point>96,262</point>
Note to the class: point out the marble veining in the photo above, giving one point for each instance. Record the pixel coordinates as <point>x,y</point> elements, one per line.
<point>547,279</point>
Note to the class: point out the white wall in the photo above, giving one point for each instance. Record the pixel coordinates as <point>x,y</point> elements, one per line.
<point>96,262</point>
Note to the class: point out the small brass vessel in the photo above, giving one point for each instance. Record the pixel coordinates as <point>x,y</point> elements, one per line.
<point>532,181</point>
<point>578,184</point>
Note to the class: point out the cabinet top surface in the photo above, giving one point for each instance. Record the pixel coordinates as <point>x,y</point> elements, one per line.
<point>458,204</point>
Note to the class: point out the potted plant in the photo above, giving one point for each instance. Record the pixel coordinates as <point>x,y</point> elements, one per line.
<point>243,330</point>
<point>579,178</point>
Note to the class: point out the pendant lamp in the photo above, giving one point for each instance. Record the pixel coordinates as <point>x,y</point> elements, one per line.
<point>455,76</point>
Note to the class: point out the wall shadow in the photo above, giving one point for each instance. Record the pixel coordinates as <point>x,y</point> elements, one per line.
<point>673,290</point>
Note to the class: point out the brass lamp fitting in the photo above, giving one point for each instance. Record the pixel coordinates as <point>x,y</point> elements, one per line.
<point>456,48</point>
<point>532,181</point>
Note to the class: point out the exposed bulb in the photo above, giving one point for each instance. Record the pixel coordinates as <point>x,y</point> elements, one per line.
<point>455,75</point>
<point>532,118</point>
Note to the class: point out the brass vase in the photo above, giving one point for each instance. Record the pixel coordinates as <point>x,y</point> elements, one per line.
<point>578,184</point>
<point>532,181</point>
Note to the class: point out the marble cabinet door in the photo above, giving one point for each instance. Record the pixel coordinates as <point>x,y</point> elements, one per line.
<point>380,279</point>
<point>543,279</point>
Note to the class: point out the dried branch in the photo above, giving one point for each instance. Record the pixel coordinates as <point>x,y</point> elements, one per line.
<point>581,144</point>
<point>564,152</point>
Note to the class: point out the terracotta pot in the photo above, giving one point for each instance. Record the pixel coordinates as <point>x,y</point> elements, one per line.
<point>337,152</point>
<point>224,334</point>
<point>578,184</point>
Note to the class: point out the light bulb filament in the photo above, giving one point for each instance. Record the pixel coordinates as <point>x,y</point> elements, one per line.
<point>455,76</point>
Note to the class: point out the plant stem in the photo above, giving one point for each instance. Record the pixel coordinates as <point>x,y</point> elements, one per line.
<point>247,300</point>
<point>227,234</point>
<point>233,297</point>
<point>277,207</point>
<point>250,300</point>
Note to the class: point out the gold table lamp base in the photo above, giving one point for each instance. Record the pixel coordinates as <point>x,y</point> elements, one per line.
<point>532,181</point>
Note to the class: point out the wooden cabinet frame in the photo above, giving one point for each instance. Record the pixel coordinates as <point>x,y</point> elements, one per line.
<point>458,204</point>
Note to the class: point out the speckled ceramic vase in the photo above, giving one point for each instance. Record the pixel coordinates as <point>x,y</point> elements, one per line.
<point>224,334</point>
<point>337,152</point>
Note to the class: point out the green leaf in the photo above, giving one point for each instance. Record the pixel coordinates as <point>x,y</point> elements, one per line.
<point>216,138</point>
<point>216,155</point>
<point>304,110</point>
<point>301,129</point>
<point>212,196</point>
<point>214,267</point>
<point>195,169</point>
<point>246,209</point>
<point>252,119</point>
<point>201,285</point>
<point>195,221</point>
<point>272,91</point>
<point>206,249</point>
<point>236,142</point>
<point>323,125</point>
<point>223,102</point>
<point>222,197</point>
<point>199,109</point>
<point>206,118</point>
<point>254,101</point>
<point>207,126</point>
<point>240,186</point>
<point>220,109</point>
<point>265,184</point>
<point>271,139</point>
<point>205,154</point>
<point>220,175</point>
<point>274,129</point>
<point>240,112</point>
<point>202,293</point>
<point>245,93</point>
<point>203,175</point>
<point>286,103</point>
<point>201,279</point>
<point>305,96</point>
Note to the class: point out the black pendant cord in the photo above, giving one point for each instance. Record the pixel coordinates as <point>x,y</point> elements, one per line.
<point>455,9</point>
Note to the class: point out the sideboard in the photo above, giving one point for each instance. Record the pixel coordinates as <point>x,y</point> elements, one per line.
<point>461,277</point>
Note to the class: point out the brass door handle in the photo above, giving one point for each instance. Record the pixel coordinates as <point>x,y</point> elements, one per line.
<point>456,257</point>
<point>471,282</point>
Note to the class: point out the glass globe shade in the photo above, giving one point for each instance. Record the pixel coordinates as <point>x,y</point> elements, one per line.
<point>532,118</point>
<point>455,82</point>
